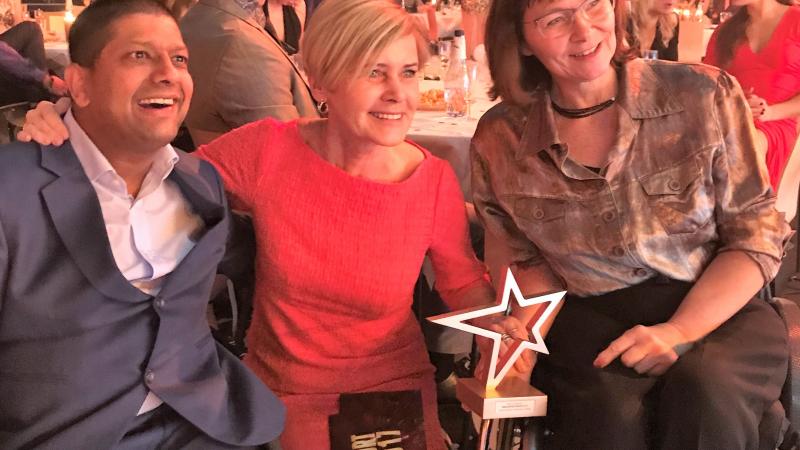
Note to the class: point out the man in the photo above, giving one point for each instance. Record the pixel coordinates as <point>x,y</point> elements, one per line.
<point>242,73</point>
<point>108,249</point>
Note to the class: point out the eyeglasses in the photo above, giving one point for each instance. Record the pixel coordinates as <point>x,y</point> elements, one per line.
<point>559,23</point>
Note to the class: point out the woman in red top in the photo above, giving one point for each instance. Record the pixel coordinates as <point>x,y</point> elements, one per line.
<point>760,46</point>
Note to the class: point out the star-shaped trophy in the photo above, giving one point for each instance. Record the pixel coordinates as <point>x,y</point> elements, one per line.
<point>514,398</point>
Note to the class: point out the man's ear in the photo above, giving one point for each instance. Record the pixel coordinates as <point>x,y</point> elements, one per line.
<point>77,79</point>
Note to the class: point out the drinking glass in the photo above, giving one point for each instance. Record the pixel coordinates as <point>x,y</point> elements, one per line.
<point>443,50</point>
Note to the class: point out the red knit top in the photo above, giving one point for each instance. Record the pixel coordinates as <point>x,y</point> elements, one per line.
<point>337,260</point>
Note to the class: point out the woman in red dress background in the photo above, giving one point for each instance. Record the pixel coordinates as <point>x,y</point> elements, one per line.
<point>760,46</point>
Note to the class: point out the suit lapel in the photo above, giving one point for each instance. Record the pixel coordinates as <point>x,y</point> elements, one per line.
<point>213,214</point>
<point>75,210</point>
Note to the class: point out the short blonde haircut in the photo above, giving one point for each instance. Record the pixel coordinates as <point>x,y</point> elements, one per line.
<point>344,37</point>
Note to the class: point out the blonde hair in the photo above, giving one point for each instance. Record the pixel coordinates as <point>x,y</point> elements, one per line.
<point>640,9</point>
<point>343,37</point>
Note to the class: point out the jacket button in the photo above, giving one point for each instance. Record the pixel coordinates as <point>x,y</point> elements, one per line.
<point>149,376</point>
<point>608,216</point>
<point>674,185</point>
<point>618,251</point>
<point>538,214</point>
<point>640,272</point>
<point>160,302</point>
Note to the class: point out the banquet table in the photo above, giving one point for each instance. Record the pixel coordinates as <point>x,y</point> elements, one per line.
<point>57,53</point>
<point>449,137</point>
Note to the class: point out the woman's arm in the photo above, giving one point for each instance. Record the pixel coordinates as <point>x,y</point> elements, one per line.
<point>751,235</point>
<point>729,282</point>
<point>765,112</point>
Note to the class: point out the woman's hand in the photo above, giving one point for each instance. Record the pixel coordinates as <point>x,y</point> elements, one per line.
<point>512,331</point>
<point>44,125</point>
<point>647,350</point>
<point>758,106</point>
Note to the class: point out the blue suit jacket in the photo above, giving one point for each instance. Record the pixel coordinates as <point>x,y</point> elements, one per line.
<point>80,346</point>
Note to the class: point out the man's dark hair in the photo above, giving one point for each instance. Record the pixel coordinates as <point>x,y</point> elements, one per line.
<point>93,27</point>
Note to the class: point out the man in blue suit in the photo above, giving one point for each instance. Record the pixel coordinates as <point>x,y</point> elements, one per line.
<point>108,249</point>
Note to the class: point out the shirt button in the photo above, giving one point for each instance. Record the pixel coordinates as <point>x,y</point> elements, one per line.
<point>640,272</point>
<point>618,251</point>
<point>608,216</point>
<point>149,376</point>
<point>538,214</point>
<point>160,302</point>
<point>674,185</point>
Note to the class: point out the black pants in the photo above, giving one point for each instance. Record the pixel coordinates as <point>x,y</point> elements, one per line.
<point>713,397</point>
<point>164,429</point>
<point>26,38</point>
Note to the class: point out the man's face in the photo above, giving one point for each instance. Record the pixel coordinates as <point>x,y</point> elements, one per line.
<point>138,92</point>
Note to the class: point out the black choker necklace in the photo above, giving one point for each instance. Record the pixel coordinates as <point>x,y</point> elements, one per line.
<point>579,113</point>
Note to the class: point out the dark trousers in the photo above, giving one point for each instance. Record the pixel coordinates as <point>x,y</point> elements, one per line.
<point>26,38</point>
<point>713,397</point>
<point>164,429</point>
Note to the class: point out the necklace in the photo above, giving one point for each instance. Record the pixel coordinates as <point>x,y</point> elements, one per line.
<point>579,113</point>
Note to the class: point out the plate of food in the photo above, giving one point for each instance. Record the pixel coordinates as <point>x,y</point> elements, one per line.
<point>431,100</point>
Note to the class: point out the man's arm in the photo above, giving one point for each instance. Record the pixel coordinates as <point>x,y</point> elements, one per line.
<point>15,65</point>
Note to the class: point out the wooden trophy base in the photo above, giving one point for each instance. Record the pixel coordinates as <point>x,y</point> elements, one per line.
<point>513,398</point>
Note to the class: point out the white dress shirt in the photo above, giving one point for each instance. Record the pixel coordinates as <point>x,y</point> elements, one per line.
<point>149,234</point>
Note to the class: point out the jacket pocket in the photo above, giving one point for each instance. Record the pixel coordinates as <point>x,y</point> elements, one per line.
<point>542,219</point>
<point>679,198</point>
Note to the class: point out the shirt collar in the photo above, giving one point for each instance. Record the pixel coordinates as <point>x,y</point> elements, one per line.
<point>95,164</point>
<point>642,95</point>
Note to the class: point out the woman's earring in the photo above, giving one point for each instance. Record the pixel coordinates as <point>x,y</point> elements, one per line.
<point>322,107</point>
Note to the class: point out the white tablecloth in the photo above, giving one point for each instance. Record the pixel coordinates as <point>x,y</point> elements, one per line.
<point>57,53</point>
<point>449,137</point>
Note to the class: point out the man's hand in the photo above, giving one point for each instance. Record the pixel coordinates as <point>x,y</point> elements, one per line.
<point>647,350</point>
<point>43,124</point>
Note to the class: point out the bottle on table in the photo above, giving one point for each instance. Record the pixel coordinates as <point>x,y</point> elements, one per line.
<point>456,80</point>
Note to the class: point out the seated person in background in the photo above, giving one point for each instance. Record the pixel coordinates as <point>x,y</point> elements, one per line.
<point>654,26</point>
<point>22,81</point>
<point>108,250</point>
<point>23,66</point>
<point>345,210</point>
<point>285,20</point>
<point>241,73</point>
<point>637,187</point>
<point>760,46</point>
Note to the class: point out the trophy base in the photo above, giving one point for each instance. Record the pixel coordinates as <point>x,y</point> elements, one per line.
<point>513,398</point>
